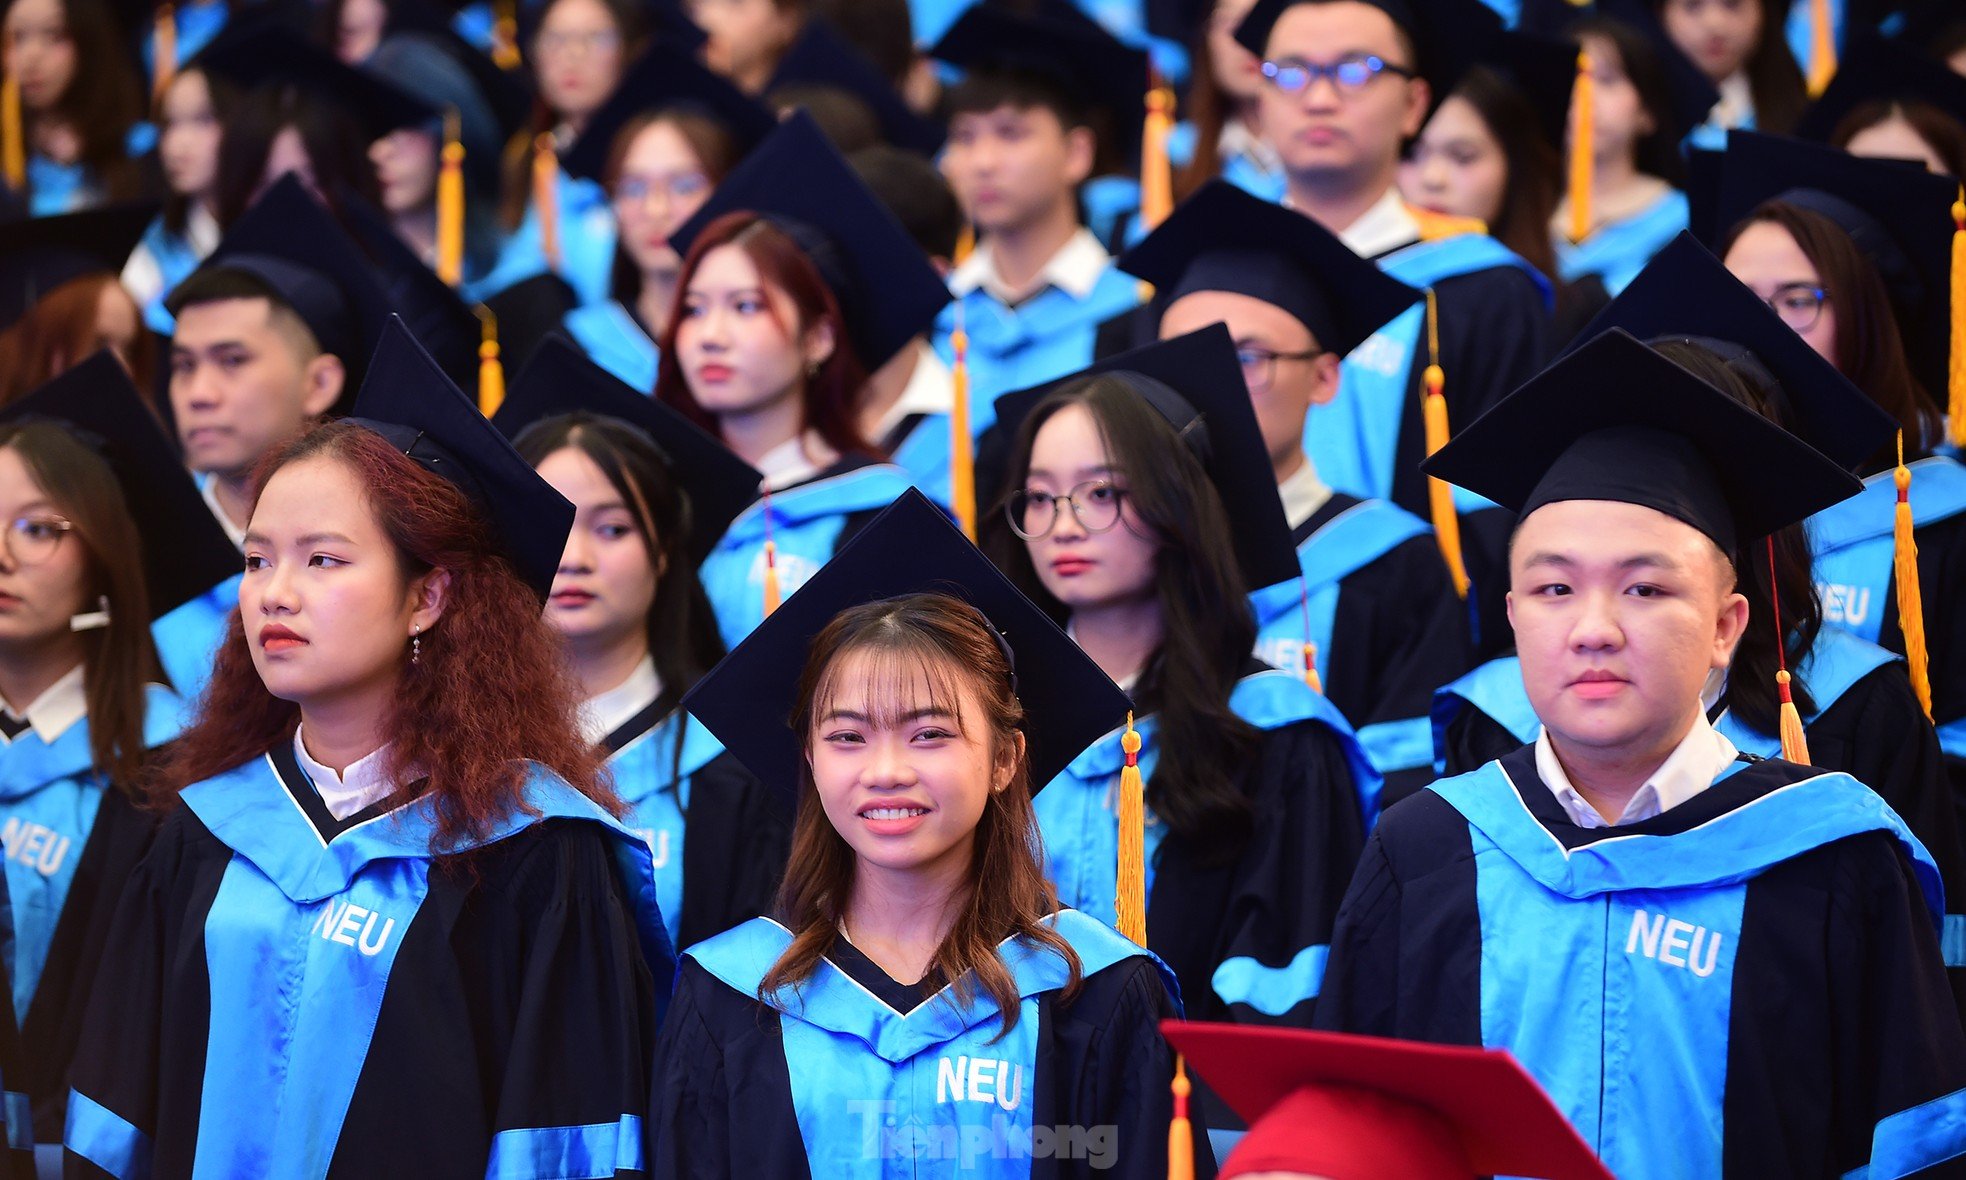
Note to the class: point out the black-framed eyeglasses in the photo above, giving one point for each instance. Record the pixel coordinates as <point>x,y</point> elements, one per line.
<point>1095,504</point>
<point>1799,304</point>
<point>1259,365</point>
<point>1349,75</point>
<point>31,540</point>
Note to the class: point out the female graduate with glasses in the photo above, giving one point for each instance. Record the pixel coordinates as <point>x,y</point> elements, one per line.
<point>1140,508</point>
<point>796,283</point>
<point>102,532</point>
<point>651,494</point>
<point>391,925</point>
<point>919,1001</point>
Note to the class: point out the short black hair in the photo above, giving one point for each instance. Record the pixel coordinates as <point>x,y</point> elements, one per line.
<point>982,91</point>
<point>914,191</point>
<point>218,282</point>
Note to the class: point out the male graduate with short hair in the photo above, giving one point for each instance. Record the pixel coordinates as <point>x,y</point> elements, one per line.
<point>1716,964</point>
<point>1346,85</point>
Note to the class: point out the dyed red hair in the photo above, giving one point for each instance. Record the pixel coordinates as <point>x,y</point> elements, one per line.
<point>490,689</point>
<point>59,332</point>
<point>831,393</point>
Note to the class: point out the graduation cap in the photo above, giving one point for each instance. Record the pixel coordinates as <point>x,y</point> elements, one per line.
<point>1686,293</point>
<point>1616,421</point>
<point>1224,239</point>
<point>1448,36</point>
<point>1544,70</point>
<point>428,67</point>
<point>408,400</point>
<point>1689,92</point>
<point>560,379</point>
<point>271,55</point>
<point>1196,384</point>
<point>1875,68</point>
<point>1064,49</point>
<point>1898,214</point>
<point>910,548</point>
<point>821,56</point>
<point>666,77</point>
<point>185,550</point>
<point>439,318</point>
<point>41,253</point>
<point>289,241</point>
<point>507,91</point>
<point>1348,1107</point>
<point>886,288</point>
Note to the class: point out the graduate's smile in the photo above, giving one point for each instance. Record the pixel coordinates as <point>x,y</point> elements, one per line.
<point>893,817</point>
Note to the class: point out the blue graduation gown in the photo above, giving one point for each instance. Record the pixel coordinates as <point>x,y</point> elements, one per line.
<point>373,1010</point>
<point>1247,940</point>
<point>189,635</point>
<point>586,240</point>
<point>1748,984</point>
<point>196,23</point>
<point>1616,251</point>
<point>807,523</point>
<point>853,1075</point>
<point>1049,335</point>
<point>614,340</point>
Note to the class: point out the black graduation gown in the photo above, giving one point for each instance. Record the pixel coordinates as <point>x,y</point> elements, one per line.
<point>1942,584</point>
<point>1833,1041</point>
<point>16,1143</point>
<point>519,1011</point>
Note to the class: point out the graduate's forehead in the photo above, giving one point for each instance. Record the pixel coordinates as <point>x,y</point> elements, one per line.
<point>887,684</point>
<point>1600,534</point>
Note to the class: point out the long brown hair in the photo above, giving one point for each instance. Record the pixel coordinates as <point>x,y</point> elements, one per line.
<point>946,644</point>
<point>1529,197</point>
<point>489,690</point>
<point>830,394</point>
<point>117,660</point>
<point>102,101</point>
<point>1945,135</point>
<point>1773,75</point>
<point>59,331</point>
<point>1870,351</point>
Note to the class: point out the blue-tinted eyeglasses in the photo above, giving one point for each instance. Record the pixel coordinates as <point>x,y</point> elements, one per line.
<point>1348,74</point>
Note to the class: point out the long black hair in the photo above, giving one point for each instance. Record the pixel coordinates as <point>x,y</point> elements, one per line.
<point>1207,626</point>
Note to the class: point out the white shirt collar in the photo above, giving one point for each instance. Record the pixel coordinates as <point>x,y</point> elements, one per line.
<point>603,713</point>
<point>201,230</point>
<point>1303,494</point>
<point>59,706</point>
<point>363,784</point>
<point>1386,226</point>
<point>795,460</point>
<point>1075,269</point>
<point>931,389</point>
<point>1691,768</point>
<point>208,488</point>
<point>1238,140</point>
<point>1736,105</point>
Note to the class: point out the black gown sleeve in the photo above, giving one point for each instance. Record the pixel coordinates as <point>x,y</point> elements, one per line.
<point>1942,583</point>
<point>740,833</point>
<point>1361,980</point>
<point>1474,739</point>
<point>721,1102</point>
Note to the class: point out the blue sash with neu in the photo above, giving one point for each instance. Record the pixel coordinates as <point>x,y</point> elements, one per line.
<point>1853,540</point>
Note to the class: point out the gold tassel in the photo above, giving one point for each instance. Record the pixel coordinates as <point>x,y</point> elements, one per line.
<point>1181,1132</point>
<point>965,244</point>
<point>545,197</point>
<point>1795,744</point>
<point>1130,904</point>
<point>13,143</point>
<point>505,35</point>
<point>491,371</point>
<point>962,458</point>
<point>1822,48</point>
<point>1956,369</point>
<point>450,205</point>
<point>1583,136</point>
<point>771,577</point>
<point>165,52</point>
<point>1311,678</point>
<point>1156,175</point>
<point>1440,497</point>
<point>1911,599</point>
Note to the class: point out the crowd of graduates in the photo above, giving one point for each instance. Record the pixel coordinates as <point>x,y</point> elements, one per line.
<point>769,588</point>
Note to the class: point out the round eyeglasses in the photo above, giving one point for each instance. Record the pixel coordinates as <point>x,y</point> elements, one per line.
<point>1799,304</point>
<point>31,540</point>
<point>1259,365</point>
<point>1349,75</point>
<point>1095,505</point>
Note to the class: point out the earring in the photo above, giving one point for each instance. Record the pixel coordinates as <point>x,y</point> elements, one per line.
<point>416,644</point>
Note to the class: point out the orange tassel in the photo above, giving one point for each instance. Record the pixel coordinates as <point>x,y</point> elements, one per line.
<point>491,371</point>
<point>771,561</point>
<point>1156,174</point>
<point>165,55</point>
<point>1911,599</point>
<point>1583,136</point>
<point>546,197</point>
<point>962,458</point>
<point>1956,368</point>
<point>1822,48</point>
<point>965,244</point>
<point>1130,904</point>
<point>13,141</point>
<point>1309,652</point>
<point>450,205</point>
<point>1440,497</point>
<point>1180,1131</point>
<point>1795,744</point>
<point>505,35</point>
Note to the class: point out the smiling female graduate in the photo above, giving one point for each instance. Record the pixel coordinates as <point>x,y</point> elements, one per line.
<point>919,1004</point>
<point>391,926</point>
<point>1716,964</point>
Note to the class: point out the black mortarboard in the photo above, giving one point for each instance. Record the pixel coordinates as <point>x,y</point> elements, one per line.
<point>885,286</point>
<point>185,551</point>
<point>1616,421</point>
<point>1899,215</point>
<point>41,253</point>
<point>1704,169</point>
<point>1874,68</point>
<point>270,55</point>
<point>290,242</point>
<point>408,400</point>
<point>1196,383</point>
<point>1223,239</point>
<point>1448,35</point>
<point>820,56</point>
<point>1686,293</point>
<point>1544,71</point>
<point>666,78</point>
<point>507,91</point>
<point>910,548</point>
<point>560,379</point>
<point>1064,49</point>
<point>440,319</point>
<point>1690,92</point>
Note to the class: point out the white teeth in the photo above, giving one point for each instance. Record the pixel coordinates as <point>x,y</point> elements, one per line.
<point>894,812</point>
